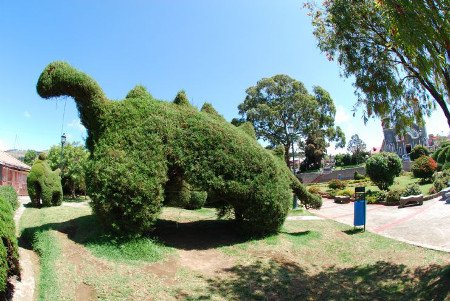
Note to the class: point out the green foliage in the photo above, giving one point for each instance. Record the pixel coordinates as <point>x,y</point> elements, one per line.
<point>9,256</point>
<point>248,128</point>
<point>276,104</point>
<point>139,91</point>
<point>197,201</point>
<point>314,189</point>
<point>345,192</point>
<point>73,167</point>
<point>44,184</point>
<point>209,109</point>
<point>375,197</point>
<point>394,194</point>
<point>396,50</point>
<point>30,156</point>
<point>141,146</point>
<point>9,194</point>
<point>351,159</point>
<point>440,180</point>
<point>181,99</point>
<point>382,168</point>
<point>336,184</point>
<point>423,167</point>
<point>442,156</point>
<point>419,151</point>
<point>412,189</point>
<point>358,176</point>
<point>356,145</point>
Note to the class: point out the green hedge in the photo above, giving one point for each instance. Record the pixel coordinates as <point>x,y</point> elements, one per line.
<point>142,146</point>
<point>44,184</point>
<point>9,194</point>
<point>9,256</point>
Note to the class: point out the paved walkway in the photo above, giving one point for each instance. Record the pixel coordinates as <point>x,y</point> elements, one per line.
<point>427,225</point>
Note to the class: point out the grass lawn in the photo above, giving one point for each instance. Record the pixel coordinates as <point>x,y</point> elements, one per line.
<point>192,256</point>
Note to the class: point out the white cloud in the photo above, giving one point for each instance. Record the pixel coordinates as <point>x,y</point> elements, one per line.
<point>76,124</point>
<point>341,115</point>
<point>27,114</point>
<point>3,146</point>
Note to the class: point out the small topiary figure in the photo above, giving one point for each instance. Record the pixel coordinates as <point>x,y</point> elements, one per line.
<point>44,184</point>
<point>423,168</point>
<point>146,153</point>
<point>419,151</point>
<point>382,168</point>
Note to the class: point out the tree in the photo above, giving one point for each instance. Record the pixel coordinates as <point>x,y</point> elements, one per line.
<point>398,51</point>
<point>382,168</point>
<point>30,156</point>
<point>280,103</point>
<point>73,168</point>
<point>356,145</point>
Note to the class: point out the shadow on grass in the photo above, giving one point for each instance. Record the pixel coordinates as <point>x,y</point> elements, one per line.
<point>297,234</point>
<point>354,231</point>
<point>195,235</point>
<point>275,280</point>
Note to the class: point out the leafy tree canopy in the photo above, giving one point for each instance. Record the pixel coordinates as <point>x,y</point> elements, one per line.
<point>398,51</point>
<point>73,167</point>
<point>279,104</point>
<point>30,156</point>
<point>356,145</point>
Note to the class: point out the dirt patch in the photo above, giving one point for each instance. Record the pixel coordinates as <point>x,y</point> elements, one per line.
<point>85,292</point>
<point>207,262</point>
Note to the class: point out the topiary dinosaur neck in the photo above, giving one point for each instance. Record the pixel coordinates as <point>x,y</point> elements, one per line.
<point>61,79</point>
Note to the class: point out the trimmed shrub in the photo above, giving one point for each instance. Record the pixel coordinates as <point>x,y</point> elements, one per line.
<point>44,184</point>
<point>197,201</point>
<point>393,195</point>
<point>9,256</point>
<point>336,184</point>
<point>440,180</point>
<point>140,144</point>
<point>314,189</point>
<point>9,194</point>
<point>412,189</point>
<point>442,156</point>
<point>375,197</point>
<point>358,176</point>
<point>419,151</point>
<point>346,192</point>
<point>423,167</point>
<point>382,168</point>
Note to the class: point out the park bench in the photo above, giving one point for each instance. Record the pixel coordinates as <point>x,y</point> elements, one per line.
<point>342,199</point>
<point>412,199</point>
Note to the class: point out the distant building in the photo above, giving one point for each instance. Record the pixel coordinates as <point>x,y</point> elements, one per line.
<point>13,172</point>
<point>401,145</point>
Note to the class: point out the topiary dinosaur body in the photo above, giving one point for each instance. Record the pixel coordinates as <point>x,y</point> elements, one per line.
<point>143,151</point>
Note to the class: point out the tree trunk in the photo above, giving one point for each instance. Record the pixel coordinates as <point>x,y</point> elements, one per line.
<point>286,155</point>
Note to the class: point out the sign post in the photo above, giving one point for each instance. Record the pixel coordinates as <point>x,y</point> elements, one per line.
<point>360,207</point>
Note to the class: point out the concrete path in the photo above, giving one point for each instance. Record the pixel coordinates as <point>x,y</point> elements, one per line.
<point>24,289</point>
<point>427,225</point>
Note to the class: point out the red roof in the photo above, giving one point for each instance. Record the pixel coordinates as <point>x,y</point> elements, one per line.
<point>10,161</point>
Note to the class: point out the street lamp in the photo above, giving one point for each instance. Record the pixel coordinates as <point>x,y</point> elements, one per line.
<point>63,141</point>
<point>291,133</point>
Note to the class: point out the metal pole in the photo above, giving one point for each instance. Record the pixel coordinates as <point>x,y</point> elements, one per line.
<point>294,201</point>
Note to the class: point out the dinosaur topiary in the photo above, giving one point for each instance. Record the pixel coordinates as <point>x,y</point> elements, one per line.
<point>146,153</point>
<point>44,184</point>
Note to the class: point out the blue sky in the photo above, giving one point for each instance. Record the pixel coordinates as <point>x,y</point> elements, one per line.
<point>212,49</point>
